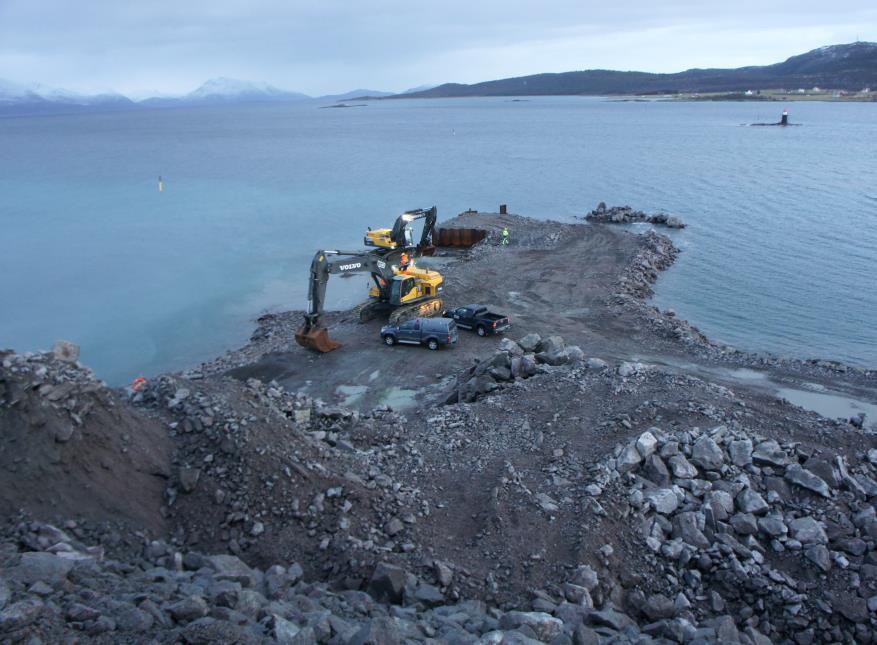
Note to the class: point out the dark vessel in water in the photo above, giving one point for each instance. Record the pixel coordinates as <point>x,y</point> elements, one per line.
<point>783,122</point>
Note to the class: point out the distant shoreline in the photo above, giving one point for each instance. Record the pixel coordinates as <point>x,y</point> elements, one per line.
<point>780,95</point>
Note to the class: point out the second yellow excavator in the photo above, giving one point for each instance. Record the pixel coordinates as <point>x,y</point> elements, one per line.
<point>401,236</point>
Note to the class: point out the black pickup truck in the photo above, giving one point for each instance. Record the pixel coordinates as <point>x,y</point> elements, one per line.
<point>477,317</point>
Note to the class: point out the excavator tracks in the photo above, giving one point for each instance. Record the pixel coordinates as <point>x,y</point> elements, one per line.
<point>371,309</point>
<point>424,309</point>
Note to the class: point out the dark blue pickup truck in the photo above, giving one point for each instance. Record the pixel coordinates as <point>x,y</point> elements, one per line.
<point>432,332</point>
<point>479,319</point>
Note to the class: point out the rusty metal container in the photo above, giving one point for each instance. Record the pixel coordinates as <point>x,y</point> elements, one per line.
<point>464,237</point>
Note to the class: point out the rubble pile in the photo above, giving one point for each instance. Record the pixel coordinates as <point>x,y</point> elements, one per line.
<point>511,362</point>
<point>53,588</point>
<point>62,383</point>
<point>627,215</point>
<point>779,536</point>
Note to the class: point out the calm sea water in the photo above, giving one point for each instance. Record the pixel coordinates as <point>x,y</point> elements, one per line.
<point>779,255</point>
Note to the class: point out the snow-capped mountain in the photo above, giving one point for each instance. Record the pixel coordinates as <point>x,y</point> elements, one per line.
<point>17,98</point>
<point>228,90</point>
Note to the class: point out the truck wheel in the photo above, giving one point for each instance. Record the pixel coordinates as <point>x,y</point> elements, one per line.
<point>389,340</point>
<point>432,343</point>
<point>481,331</point>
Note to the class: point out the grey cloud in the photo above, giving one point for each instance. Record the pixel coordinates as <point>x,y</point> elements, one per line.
<point>332,45</point>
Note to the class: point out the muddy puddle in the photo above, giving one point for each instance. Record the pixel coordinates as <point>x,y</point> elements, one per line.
<point>399,398</point>
<point>831,404</point>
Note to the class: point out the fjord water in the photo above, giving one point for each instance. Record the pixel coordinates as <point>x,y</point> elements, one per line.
<point>779,254</point>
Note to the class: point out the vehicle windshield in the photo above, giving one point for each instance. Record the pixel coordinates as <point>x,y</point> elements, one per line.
<point>400,289</point>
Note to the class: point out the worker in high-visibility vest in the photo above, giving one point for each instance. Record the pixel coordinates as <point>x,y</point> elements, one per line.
<point>505,236</point>
<point>404,262</point>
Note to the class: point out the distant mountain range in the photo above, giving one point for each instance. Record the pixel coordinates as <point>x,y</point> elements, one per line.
<point>21,99</point>
<point>851,67</point>
<point>41,99</point>
<point>227,90</point>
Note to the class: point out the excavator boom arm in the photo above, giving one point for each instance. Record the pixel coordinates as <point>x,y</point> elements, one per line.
<point>328,263</point>
<point>325,264</point>
<point>397,235</point>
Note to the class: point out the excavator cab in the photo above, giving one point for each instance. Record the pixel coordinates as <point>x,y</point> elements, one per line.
<point>401,288</point>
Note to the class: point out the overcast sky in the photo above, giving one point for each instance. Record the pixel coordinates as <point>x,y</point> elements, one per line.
<point>140,47</point>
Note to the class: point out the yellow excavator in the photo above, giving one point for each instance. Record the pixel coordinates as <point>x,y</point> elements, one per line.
<point>406,293</point>
<point>401,236</point>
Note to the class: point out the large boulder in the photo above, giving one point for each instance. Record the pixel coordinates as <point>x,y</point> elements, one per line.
<point>586,577</point>
<point>552,358</point>
<point>769,453</point>
<point>646,443</point>
<point>528,365</point>
<point>807,531</point>
<point>658,606</point>
<point>689,526</point>
<point>663,500</point>
<point>741,452</point>
<point>510,347</point>
<point>530,343</point>
<point>629,459</point>
<point>749,501</point>
<point>188,609</point>
<point>229,567</point>
<point>627,369</point>
<point>36,566</point>
<point>682,468</point>
<point>655,470</point>
<point>707,454</point>
<point>387,583</point>
<point>551,345</point>
<point>545,626</point>
<point>800,476</point>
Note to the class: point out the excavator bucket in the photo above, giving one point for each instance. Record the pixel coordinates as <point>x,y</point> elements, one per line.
<point>316,338</point>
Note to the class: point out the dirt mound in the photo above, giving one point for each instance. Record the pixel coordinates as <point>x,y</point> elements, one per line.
<point>72,448</point>
<point>275,476</point>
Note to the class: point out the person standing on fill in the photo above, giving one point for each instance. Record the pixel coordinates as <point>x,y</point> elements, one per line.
<point>505,236</point>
